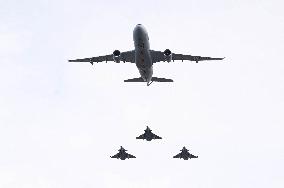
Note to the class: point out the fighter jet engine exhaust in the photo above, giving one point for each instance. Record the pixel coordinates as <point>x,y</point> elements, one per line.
<point>168,55</point>
<point>116,56</point>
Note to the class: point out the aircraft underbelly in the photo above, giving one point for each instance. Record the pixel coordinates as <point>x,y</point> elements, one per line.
<point>143,59</point>
<point>146,73</point>
<point>144,65</point>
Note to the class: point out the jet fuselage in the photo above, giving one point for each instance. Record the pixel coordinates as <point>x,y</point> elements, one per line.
<point>122,155</point>
<point>149,135</point>
<point>185,155</point>
<point>143,59</point>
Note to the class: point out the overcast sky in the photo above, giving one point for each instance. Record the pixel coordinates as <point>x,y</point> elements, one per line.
<point>60,121</point>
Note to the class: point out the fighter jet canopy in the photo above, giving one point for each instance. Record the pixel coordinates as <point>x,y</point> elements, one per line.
<point>184,149</point>
<point>122,149</point>
<point>148,129</point>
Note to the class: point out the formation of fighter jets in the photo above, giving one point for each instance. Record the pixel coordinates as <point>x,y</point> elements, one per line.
<point>148,135</point>
<point>144,57</point>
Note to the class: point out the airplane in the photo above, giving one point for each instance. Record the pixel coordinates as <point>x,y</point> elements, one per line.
<point>144,57</point>
<point>148,135</point>
<point>122,154</point>
<point>185,154</point>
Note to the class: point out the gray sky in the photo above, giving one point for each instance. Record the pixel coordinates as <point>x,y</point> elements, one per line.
<point>60,121</point>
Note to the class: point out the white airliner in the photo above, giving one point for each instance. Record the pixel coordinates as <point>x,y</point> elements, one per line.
<point>143,57</point>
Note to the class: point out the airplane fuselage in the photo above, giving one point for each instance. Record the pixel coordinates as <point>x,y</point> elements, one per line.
<point>123,156</point>
<point>149,136</point>
<point>185,155</point>
<point>143,59</point>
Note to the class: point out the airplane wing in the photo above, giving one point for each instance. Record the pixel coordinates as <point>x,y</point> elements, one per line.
<point>158,56</point>
<point>130,156</point>
<point>115,156</point>
<point>156,136</point>
<point>142,136</point>
<point>128,56</point>
<point>192,156</point>
<point>177,156</point>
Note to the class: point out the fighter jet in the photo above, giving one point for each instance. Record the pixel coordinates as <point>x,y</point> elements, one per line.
<point>185,154</point>
<point>143,57</point>
<point>148,135</point>
<point>122,154</point>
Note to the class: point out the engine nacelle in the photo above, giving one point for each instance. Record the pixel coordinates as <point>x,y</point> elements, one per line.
<point>168,55</point>
<point>116,56</point>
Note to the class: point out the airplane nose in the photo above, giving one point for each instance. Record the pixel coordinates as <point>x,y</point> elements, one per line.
<point>136,32</point>
<point>138,29</point>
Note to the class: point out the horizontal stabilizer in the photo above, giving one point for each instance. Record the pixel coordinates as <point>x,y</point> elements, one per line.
<point>155,79</point>
<point>134,80</point>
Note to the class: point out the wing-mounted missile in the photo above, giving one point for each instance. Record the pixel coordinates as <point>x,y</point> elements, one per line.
<point>116,56</point>
<point>168,55</point>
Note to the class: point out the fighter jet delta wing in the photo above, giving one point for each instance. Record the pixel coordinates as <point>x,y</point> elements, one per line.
<point>115,156</point>
<point>177,156</point>
<point>117,57</point>
<point>142,136</point>
<point>130,156</point>
<point>192,156</point>
<point>159,56</point>
<point>156,136</point>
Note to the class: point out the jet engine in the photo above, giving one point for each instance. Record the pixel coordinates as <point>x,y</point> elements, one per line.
<point>168,55</point>
<point>116,56</point>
